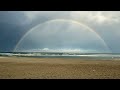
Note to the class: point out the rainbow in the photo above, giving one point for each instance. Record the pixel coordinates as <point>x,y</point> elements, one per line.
<point>63,20</point>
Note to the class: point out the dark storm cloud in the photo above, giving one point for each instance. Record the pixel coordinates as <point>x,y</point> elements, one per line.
<point>12,17</point>
<point>12,26</point>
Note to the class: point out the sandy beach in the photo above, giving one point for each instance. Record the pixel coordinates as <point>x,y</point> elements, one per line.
<point>58,68</point>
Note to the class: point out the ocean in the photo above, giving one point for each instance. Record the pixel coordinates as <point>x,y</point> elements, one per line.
<point>100,56</point>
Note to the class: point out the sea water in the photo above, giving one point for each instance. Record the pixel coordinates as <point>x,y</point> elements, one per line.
<point>100,56</point>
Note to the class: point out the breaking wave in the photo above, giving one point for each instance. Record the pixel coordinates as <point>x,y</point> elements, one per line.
<point>100,56</point>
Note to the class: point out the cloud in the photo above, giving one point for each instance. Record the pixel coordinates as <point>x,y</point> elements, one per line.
<point>33,15</point>
<point>14,24</point>
<point>13,17</point>
<point>96,17</point>
<point>88,17</point>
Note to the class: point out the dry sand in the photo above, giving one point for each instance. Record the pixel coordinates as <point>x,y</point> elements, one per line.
<point>58,68</point>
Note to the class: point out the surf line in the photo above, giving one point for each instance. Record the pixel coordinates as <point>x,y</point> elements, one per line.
<point>63,20</point>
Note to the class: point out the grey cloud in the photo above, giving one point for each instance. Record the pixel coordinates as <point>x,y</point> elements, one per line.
<point>14,24</point>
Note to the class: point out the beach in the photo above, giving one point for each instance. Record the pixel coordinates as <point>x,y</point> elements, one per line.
<point>58,68</point>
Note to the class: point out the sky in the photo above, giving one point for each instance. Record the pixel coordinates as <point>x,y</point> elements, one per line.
<point>87,31</point>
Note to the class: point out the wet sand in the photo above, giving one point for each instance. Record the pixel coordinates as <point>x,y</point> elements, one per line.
<point>58,68</point>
